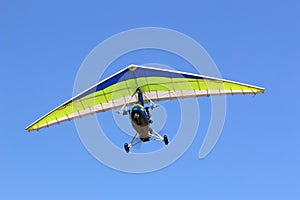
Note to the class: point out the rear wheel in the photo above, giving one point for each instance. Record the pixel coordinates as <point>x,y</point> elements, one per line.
<point>126,147</point>
<point>166,141</point>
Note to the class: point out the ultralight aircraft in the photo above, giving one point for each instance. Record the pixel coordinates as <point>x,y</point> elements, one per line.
<point>134,90</point>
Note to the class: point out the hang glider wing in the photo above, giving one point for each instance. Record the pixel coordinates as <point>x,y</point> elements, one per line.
<point>158,84</point>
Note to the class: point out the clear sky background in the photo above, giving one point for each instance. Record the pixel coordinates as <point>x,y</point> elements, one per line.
<point>43,43</point>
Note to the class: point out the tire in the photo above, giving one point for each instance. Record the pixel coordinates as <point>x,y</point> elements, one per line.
<point>166,141</point>
<point>126,147</point>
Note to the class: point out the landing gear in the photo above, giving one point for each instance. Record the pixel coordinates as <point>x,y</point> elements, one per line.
<point>135,140</point>
<point>126,147</point>
<point>166,141</point>
<point>153,135</point>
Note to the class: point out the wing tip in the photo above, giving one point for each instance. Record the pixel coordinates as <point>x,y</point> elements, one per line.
<point>31,128</point>
<point>28,129</point>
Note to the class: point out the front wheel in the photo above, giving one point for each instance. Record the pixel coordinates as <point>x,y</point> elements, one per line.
<point>166,141</point>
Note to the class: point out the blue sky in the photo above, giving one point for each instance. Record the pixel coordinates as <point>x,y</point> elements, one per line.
<point>42,45</point>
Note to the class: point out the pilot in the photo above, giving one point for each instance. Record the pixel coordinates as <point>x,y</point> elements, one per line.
<point>148,114</point>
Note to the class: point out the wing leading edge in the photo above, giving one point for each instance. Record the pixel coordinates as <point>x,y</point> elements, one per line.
<point>158,84</point>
